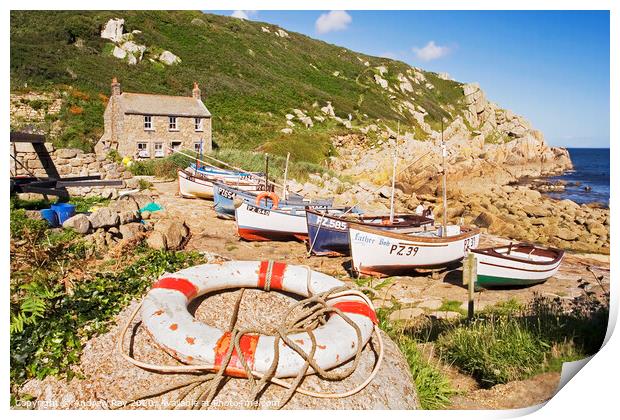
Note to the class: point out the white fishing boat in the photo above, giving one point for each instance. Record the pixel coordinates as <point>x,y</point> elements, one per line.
<point>378,252</point>
<point>516,265</point>
<point>258,223</point>
<point>193,185</point>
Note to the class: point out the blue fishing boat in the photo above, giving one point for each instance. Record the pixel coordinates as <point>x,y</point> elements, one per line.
<point>328,234</point>
<point>224,200</point>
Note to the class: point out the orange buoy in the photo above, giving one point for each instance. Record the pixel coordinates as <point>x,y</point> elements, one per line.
<point>268,194</point>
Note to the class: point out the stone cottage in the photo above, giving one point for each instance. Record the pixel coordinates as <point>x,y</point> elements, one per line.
<point>145,126</point>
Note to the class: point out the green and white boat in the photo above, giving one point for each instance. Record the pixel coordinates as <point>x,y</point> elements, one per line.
<point>516,265</point>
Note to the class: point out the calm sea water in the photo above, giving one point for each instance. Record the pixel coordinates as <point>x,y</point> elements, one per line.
<point>591,169</point>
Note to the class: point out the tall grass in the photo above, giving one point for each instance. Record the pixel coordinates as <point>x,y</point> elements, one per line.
<point>432,386</point>
<point>512,342</point>
<point>244,159</point>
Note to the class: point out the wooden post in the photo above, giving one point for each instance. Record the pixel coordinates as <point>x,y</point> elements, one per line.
<point>284,193</point>
<point>469,278</point>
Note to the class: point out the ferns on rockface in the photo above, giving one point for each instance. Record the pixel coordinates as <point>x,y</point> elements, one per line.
<point>33,305</point>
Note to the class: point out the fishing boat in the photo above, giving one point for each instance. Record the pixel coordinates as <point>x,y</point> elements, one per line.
<point>377,252</point>
<point>224,200</point>
<point>259,223</point>
<point>516,265</point>
<point>194,185</point>
<point>226,174</point>
<point>328,235</point>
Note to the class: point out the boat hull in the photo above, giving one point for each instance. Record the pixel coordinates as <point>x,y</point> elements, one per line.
<point>224,200</point>
<point>497,271</point>
<point>191,186</point>
<point>256,223</point>
<point>380,253</point>
<point>329,236</point>
<point>194,185</point>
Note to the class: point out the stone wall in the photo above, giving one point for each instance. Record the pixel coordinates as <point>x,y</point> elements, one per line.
<point>72,163</point>
<point>30,109</point>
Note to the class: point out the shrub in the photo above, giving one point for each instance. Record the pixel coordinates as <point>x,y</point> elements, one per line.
<point>143,184</point>
<point>49,326</point>
<point>494,351</point>
<point>511,341</point>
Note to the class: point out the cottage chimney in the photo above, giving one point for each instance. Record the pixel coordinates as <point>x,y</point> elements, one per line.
<point>196,92</point>
<point>116,87</point>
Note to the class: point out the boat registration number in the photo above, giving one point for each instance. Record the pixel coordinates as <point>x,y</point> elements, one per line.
<point>469,243</point>
<point>258,210</point>
<point>334,224</point>
<point>226,193</point>
<point>404,250</point>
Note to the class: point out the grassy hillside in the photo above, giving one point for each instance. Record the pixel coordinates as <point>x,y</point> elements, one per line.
<point>250,79</point>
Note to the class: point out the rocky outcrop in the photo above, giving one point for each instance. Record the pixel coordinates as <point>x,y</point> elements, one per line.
<point>113,30</point>
<point>168,58</point>
<point>108,378</point>
<point>125,48</point>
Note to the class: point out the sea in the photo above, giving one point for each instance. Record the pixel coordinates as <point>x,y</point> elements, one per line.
<point>591,169</point>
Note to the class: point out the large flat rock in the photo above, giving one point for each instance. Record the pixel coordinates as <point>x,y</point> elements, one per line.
<point>110,379</point>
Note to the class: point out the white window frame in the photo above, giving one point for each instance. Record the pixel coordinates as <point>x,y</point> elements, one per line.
<point>143,152</point>
<point>148,123</point>
<point>173,124</point>
<point>158,150</point>
<point>196,147</point>
<point>198,124</point>
<point>179,146</point>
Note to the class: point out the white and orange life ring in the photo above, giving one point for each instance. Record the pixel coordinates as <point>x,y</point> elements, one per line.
<point>268,194</point>
<point>165,316</point>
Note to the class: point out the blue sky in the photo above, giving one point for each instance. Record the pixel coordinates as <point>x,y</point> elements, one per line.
<point>552,67</point>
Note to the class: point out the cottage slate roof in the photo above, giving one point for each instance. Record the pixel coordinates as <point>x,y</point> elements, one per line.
<point>150,104</point>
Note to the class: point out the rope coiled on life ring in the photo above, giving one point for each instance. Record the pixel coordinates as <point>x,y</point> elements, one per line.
<point>313,312</point>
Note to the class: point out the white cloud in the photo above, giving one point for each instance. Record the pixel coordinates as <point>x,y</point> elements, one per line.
<point>336,20</point>
<point>431,51</point>
<point>243,14</point>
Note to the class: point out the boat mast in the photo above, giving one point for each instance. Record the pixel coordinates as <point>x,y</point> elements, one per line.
<point>284,194</point>
<point>444,231</point>
<point>266,174</point>
<point>394,176</point>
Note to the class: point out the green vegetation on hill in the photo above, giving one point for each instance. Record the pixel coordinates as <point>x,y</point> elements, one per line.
<point>249,78</point>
